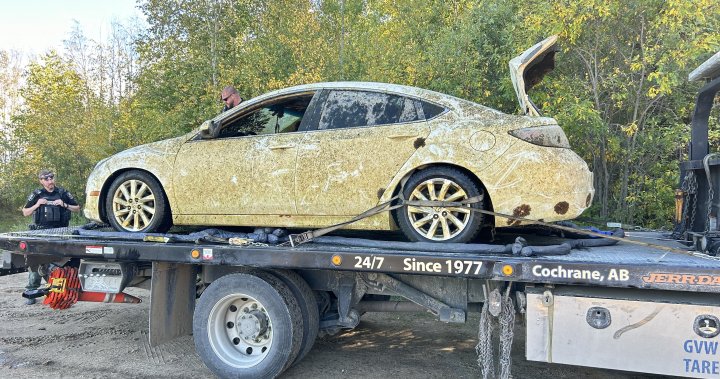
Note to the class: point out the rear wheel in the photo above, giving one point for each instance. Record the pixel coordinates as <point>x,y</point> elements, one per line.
<point>247,326</point>
<point>440,224</point>
<point>309,307</point>
<point>137,203</point>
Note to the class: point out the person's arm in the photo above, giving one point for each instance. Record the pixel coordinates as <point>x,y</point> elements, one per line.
<point>68,201</point>
<point>32,205</point>
<point>62,203</point>
<point>72,208</point>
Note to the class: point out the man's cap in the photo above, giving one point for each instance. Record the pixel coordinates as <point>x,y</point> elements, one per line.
<point>44,172</point>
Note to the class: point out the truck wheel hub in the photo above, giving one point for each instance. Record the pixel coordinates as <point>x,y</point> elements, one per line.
<point>252,325</point>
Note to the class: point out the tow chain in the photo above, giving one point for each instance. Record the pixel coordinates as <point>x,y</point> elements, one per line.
<point>689,190</point>
<point>711,192</point>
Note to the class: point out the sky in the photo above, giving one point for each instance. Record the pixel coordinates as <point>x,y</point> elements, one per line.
<point>35,26</point>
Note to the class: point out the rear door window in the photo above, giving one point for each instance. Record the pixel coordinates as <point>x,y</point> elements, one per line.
<point>348,109</point>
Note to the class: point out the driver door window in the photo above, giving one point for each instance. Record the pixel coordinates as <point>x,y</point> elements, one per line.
<point>281,117</point>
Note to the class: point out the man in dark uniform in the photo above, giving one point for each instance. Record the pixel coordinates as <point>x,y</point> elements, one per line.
<point>50,207</point>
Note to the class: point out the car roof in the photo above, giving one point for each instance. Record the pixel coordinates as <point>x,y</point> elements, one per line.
<point>438,97</point>
<point>450,102</point>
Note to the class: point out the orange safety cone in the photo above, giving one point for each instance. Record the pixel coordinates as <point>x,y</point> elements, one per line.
<point>108,297</point>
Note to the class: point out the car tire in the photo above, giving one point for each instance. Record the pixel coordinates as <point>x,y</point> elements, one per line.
<point>247,326</point>
<point>135,202</point>
<point>440,224</point>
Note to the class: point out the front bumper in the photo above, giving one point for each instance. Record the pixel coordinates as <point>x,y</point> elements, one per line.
<point>93,188</point>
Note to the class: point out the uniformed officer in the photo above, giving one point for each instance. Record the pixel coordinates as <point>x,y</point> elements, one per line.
<point>50,207</point>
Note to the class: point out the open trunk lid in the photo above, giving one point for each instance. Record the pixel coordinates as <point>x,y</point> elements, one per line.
<point>528,69</point>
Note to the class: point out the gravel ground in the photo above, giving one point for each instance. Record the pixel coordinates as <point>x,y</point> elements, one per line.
<point>96,340</point>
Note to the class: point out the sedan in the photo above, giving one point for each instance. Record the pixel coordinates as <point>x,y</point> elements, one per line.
<point>319,154</point>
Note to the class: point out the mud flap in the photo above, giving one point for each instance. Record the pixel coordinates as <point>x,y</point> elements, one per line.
<point>172,301</point>
<point>12,261</point>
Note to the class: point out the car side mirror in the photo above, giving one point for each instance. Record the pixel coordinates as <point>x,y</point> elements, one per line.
<point>206,129</point>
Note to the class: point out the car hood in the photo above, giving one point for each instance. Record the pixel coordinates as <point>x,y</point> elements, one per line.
<point>151,156</point>
<point>528,69</point>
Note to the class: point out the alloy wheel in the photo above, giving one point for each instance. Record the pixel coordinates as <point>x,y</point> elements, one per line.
<point>438,223</point>
<point>133,205</point>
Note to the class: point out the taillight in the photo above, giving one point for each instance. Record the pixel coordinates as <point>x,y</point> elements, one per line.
<point>546,135</point>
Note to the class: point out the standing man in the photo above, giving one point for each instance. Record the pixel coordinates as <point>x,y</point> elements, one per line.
<point>230,97</point>
<point>50,207</point>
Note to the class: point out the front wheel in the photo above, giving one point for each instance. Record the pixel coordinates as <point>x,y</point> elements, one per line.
<point>440,224</point>
<point>137,203</point>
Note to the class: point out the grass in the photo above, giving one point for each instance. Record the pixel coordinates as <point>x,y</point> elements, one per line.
<point>12,221</point>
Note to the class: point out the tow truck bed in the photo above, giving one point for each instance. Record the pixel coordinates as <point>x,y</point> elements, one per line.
<point>620,265</point>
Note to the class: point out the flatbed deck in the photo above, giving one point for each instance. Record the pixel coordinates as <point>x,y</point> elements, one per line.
<point>621,265</point>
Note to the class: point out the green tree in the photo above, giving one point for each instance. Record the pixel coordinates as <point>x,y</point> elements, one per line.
<point>56,128</point>
<point>623,95</point>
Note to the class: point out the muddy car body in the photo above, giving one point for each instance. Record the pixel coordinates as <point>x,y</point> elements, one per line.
<point>315,155</point>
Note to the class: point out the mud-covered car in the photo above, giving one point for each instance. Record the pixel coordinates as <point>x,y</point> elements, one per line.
<point>315,155</point>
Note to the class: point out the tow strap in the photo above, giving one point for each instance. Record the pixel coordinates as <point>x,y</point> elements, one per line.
<point>298,239</point>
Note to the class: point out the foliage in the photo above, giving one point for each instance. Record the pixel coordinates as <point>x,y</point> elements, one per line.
<point>620,88</point>
<point>624,97</point>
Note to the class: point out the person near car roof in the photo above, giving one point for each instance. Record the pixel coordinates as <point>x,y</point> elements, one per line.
<point>230,97</point>
<point>50,206</point>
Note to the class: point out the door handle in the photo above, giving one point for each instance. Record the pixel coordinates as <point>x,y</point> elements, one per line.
<point>402,136</point>
<point>281,147</point>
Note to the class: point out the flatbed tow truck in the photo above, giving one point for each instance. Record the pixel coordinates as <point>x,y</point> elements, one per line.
<point>626,306</point>
<point>256,309</point>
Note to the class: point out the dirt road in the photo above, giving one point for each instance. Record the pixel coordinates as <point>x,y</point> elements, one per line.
<point>95,340</point>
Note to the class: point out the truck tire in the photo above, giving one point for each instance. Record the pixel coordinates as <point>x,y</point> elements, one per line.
<point>247,326</point>
<point>440,224</point>
<point>309,307</point>
<point>135,202</point>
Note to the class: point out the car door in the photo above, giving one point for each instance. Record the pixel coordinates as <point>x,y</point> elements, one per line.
<point>248,168</point>
<point>361,140</point>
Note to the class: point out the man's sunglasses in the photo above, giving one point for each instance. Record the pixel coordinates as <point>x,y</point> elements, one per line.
<point>225,99</point>
<point>47,177</point>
